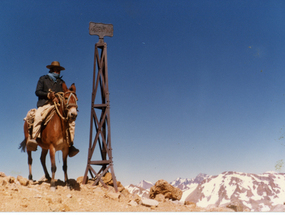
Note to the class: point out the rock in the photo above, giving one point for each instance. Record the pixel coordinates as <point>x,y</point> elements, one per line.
<point>111,195</point>
<point>2,174</point>
<point>237,206</point>
<point>149,202</point>
<point>3,181</point>
<point>99,192</point>
<point>125,192</point>
<point>69,196</point>
<point>132,203</point>
<point>43,178</point>
<point>177,202</point>
<point>110,189</point>
<point>107,179</point>
<point>120,186</point>
<point>163,187</point>
<point>189,203</point>
<point>23,181</point>
<point>160,197</point>
<point>120,189</point>
<point>11,179</point>
<point>138,199</point>
<point>80,179</point>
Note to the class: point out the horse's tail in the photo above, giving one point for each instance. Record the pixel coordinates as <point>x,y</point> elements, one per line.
<point>23,146</point>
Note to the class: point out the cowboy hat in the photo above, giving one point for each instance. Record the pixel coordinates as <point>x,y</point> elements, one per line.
<point>55,64</point>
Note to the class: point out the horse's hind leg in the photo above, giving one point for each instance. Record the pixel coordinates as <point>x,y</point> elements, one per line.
<point>30,162</point>
<point>43,161</point>
<point>53,167</point>
<point>64,167</point>
<point>23,145</point>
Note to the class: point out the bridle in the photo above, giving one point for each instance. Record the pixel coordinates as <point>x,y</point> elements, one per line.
<point>67,104</point>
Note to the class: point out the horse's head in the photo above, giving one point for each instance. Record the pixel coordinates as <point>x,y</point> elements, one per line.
<point>70,101</point>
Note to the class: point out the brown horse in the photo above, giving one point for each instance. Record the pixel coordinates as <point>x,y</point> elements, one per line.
<point>53,134</point>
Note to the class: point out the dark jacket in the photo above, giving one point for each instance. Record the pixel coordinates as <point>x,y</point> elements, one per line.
<point>44,84</point>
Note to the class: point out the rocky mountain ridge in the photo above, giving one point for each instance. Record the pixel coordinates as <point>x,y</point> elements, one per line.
<point>23,195</point>
<point>242,191</point>
<point>185,184</point>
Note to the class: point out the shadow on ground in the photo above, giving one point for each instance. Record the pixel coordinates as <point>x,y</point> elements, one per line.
<point>73,183</point>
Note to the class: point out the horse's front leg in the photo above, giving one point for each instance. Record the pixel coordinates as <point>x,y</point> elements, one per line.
<point>30,162</point>
<point>53,167</point>
<point>64,167</point>
<point>43,161</point>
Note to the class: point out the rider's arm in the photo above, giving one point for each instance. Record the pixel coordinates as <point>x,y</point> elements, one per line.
<point>41,92</point>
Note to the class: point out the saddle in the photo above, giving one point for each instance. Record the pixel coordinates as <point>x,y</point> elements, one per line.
<point>30,117</point>
<point>46,117</point>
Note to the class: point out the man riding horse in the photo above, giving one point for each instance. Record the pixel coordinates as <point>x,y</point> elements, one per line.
<point>47,86</point>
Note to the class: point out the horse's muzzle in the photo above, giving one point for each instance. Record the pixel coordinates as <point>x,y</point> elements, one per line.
<point>72,114</point>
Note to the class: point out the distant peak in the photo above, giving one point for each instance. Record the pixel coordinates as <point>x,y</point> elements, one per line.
<point>202,174</point>
<point>271,172</point>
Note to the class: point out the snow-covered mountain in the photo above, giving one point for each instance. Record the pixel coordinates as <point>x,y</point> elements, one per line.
<point>185,184</point>
<point>256,192</point>
<point>247,191</point>
<point>135,190</point>
<point>141,189</point>
<point>145,184</point>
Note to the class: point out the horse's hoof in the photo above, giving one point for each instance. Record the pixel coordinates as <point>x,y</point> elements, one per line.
<point>68,186</point>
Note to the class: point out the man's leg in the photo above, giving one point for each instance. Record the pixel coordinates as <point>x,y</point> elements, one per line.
<point>32,143</point>
<point>72,150</point>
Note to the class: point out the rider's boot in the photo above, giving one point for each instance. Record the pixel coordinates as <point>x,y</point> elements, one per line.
<point>72,150</point>
<point>32,144</point>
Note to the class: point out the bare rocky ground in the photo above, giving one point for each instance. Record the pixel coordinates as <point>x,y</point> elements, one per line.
<point>21,195</point>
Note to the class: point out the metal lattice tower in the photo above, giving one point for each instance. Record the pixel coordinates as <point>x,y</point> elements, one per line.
<point>100,110</point>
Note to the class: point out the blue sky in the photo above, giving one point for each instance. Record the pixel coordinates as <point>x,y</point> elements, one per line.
<point>195,86</point>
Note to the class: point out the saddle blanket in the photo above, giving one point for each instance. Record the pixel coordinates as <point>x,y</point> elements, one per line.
<point>46,114</point>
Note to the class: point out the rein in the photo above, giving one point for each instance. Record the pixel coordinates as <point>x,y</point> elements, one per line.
<point>67,105</point>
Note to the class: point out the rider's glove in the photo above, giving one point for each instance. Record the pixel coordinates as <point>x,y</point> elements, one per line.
<point>51,95</point>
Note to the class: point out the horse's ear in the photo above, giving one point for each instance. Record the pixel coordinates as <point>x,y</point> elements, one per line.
<point>72,87</point>
<point>64,87</point>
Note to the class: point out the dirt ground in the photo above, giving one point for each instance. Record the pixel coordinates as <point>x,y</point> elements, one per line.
<point>26,196</point>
